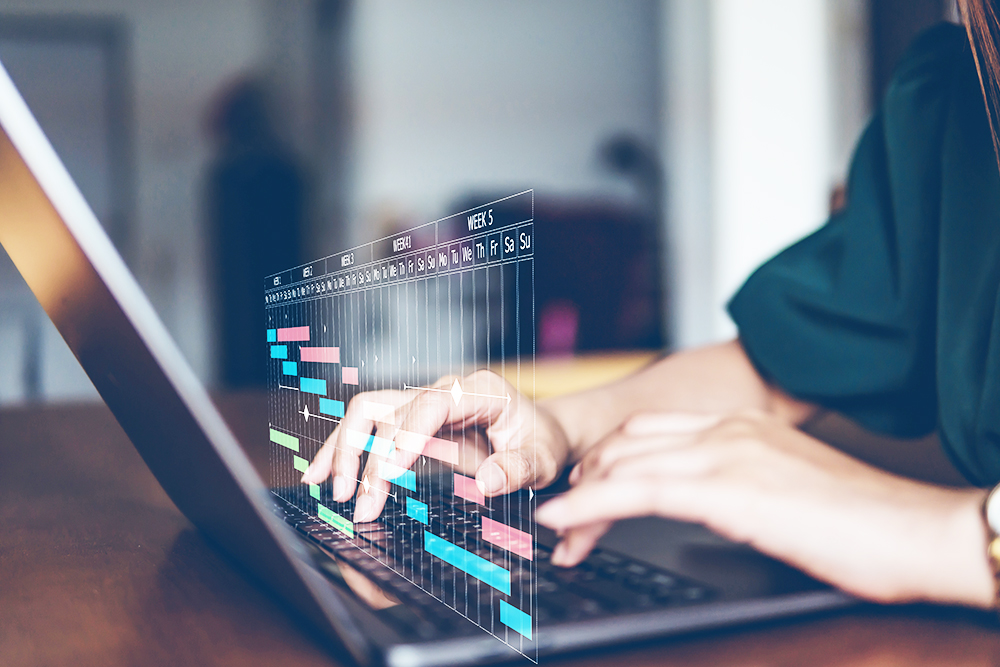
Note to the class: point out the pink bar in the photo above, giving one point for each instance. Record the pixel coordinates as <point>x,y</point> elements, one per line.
<point>513,540</point>
<point>323,355</point>
<point>293,334</point>
<point>349,375</point>
<point>442,450</point>
<point>435,448</point>
<point>465,487</point>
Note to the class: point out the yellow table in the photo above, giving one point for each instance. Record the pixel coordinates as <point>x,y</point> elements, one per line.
<point>564,375</point>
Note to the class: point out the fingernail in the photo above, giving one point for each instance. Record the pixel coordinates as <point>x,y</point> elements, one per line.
<point>339,487</point>
<point>559,555</point>
<point>547,513</point>
<point>363,508</point>
<point>491,478</point>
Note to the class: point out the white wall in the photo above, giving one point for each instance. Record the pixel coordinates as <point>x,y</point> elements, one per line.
<point>456,95</point>
<point>772,133</point>
<point>763,99</point>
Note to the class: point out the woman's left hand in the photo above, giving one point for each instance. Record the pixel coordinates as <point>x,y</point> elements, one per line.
<point>754,479</point>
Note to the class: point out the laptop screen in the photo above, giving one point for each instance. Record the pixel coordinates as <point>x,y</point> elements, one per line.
<point>376,325</point>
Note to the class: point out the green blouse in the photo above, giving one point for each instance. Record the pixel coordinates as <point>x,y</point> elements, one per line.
<point>889,313</point>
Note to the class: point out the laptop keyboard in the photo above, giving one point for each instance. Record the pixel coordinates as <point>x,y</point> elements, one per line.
<point>605,583</point>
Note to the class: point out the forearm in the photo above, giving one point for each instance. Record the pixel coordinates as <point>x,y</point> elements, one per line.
<point>718,378</point>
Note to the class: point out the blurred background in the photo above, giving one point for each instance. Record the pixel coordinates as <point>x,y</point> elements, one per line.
<point>672,145</point>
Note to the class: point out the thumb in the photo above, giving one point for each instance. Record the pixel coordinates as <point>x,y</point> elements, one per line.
<point>513,469</point>
<point>525,456</point>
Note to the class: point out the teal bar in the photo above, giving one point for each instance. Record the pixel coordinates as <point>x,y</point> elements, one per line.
<point>285,440</point>
<point>416,510</point>
<point>279,351</point>
<point>272,335</point>
<point>515,619</point>
<point>394,473</point>
<point>468,562</point>
<point>289,368</point>
<point>312,386</point>
<point>331,407</point>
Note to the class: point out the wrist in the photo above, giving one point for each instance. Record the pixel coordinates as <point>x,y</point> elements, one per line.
<point>965,570</point>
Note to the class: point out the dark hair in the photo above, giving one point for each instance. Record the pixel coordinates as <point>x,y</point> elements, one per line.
<point>983,27</point>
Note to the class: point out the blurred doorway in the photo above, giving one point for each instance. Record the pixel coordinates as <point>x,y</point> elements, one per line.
<point>73,73</point>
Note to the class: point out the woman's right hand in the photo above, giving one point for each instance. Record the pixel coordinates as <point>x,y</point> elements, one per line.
<point>529,447</point>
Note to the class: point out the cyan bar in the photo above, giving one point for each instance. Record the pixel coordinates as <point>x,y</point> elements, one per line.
<point>468,562</point>
<point>328,406</point>
<point>300,463</point>
<point>272,335</point>
<point>515,619</point>
<point>397,474</point>
<point>416,510</point>
<point>367,442</point>
<point>289,368</point>
<point>314,491</point>
<point>279,351</point>
<point>312,386</point>
<point>285,440</point>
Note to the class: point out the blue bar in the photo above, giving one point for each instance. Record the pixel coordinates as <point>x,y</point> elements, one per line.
<point>272,335</point>
<point>331,407</point>
<point>515,619</point>
<point>468,562</point>
<point>279,351</point>
<point>311,386</point>
<point>394,473</point>
<point>416,510</point>
<point>289,368</point>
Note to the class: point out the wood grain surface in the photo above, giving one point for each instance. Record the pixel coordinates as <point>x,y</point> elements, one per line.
<point>97,567</point>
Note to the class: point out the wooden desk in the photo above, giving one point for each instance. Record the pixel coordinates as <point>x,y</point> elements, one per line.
<point>97,567</point>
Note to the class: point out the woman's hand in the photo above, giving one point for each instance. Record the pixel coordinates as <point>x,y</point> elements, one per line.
<point>753,478</point>
<point>529,446</point>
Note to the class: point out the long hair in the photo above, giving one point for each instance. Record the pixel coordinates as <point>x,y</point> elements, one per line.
<point>983,27</point>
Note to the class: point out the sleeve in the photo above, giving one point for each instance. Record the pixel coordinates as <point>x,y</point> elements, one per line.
<point>846,317</point>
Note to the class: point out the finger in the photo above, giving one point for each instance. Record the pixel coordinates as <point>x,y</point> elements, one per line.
<point>436,408</point>
<point>615,499</point>
<point>337,456</point>
<point>522,461</point>
<point>607,453</point>
<point>395,450</point>
<point>355,436</point>
<point>419,420</point>
<point>669,465</point>
<point>479,399</point>
<point>346,461</point>
<point>374,492</point>
<point>513,469</point>
<point>653,423</point>
<point>392,454</point>
<point>577,543</point>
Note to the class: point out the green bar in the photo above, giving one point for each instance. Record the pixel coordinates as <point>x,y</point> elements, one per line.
<point>335,520</point>
<point>300,463</point>
<point>314,491</point>
<point>285,440</point>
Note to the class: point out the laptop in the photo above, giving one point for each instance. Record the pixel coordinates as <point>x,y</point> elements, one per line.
<point>649,578</point>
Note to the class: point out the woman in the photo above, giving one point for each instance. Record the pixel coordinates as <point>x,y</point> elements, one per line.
<point>889,314</point>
